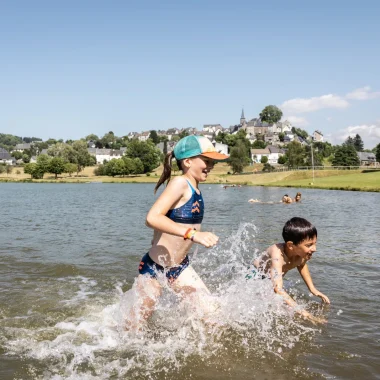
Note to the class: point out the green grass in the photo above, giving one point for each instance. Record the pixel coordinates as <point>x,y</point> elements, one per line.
<point>350,181</point>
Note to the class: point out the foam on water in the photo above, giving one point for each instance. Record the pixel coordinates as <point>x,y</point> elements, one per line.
<point>93,344</point>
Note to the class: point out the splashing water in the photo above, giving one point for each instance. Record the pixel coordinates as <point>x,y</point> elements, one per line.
<point>92,343</point>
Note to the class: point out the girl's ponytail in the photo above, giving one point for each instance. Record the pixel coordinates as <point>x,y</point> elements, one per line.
<point>167,172</point>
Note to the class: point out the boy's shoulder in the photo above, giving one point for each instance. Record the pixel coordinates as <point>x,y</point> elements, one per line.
<point>276,249</point>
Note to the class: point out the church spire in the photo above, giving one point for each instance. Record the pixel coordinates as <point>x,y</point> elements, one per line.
<point>242,118</point>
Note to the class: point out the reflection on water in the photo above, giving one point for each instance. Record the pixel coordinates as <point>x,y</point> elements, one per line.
<point>69,256</point>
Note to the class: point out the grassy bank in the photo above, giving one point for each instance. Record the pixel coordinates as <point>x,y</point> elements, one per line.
<point>323,179</point>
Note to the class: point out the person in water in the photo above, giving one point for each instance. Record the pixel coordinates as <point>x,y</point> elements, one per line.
<point>298,197</point>
<point>300,240</point>
<point>176,219</point>
<point>286,199</point>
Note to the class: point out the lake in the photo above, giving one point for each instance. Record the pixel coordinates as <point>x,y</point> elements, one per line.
<point>69,255</point>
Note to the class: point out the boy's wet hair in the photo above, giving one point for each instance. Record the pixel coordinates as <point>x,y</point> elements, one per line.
<point>297,230</point>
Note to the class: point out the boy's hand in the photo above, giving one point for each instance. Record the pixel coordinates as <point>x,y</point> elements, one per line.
<point>322,296</point>
<point>312,318</point>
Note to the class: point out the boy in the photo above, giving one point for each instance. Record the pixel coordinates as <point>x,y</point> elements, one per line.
<point>300,238</point>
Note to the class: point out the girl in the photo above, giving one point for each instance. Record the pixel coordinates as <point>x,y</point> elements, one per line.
<point>176,219</point>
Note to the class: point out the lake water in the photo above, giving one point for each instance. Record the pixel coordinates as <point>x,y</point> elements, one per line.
<point>69,255</point>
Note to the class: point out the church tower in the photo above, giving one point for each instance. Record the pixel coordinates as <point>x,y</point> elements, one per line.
<point>243,123</point>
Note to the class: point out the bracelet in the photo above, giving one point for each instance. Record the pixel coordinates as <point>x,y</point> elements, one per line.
<point>186,236</point>
<point>190,234</point>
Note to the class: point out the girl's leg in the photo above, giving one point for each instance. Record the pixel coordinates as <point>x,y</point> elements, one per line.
<point>190,285</point>
<point>147,292</point>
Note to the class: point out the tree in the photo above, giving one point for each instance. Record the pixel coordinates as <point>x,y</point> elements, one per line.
<point>238,157</point>
<point>29,169</point>
<point>346,155</point>
<point>281,136</point>
<point>358,143</point>
<point>92,137</point>
<point>271,114</point>
<point>300,132</point>
<point>16,154</point>
<point>81,156</point>
<point>115,167</point>
<point>268,167</point>
<point>264,159</point>
<point>147,152</point>
<point>349,141</point>
<point>258,144</point>
<point>9,169</point>
<point>34,170</point>
<point>377,152</point>
<point>183,134</point>
<point>56,166</point>
<point>2,168</point>
<point>154,136</point>
<point>282,160</point>
<point>295,154</point>
<point>25,158</point>
<point>70,168</point>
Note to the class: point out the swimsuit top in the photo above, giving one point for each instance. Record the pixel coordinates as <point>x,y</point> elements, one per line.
<point>191,212</point>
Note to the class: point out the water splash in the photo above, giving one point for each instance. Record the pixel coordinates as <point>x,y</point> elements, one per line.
<point>251,321</point>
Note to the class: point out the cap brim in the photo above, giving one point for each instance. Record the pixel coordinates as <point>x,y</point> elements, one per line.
<point>215,156</point>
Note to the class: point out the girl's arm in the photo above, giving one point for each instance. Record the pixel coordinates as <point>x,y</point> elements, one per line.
<point>305,274</point>
<point>158,220</point>
<point>156,217</point>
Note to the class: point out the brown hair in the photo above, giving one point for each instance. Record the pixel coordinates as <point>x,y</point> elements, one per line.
<point>167,172</point>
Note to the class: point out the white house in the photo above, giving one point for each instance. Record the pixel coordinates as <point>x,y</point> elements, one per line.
<point>220,148</point>
<point>272,152</point>
<point>317,136</point>
<point>105,154</point>
<point>213,129</point>
<point>143,136</point>
<point>258,154</point>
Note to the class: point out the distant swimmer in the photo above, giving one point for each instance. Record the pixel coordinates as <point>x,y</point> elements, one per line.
<point>298,197</point>
<point>286,199</point>
<point>300,243</point>
<point>176,219</point>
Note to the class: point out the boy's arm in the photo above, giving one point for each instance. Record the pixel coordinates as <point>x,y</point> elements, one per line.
<point>277,275</point>
<point>305,274</point>
<point>277,280</point>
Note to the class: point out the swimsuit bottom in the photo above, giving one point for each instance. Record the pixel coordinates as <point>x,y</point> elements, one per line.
<point>255,275</point>
<point>150,267</point>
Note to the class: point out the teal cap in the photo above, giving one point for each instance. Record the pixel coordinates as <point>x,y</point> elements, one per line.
<point>191,146</point>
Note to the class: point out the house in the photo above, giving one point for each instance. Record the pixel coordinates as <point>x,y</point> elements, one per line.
<point>275,154</point>
<point>144,136</point>
<point>190,131</point>
<point>132,135</point>
<point>272,152</point>
<point>317,136</point>
<point>22,147</point>
<point>213,129</point>
<point>169,146</point>
<point>6,158</point>
<point>220,148</point>
<point>258,154</point>
<point>367,158</point>
<point>105,154</point>
<point>172,132</point>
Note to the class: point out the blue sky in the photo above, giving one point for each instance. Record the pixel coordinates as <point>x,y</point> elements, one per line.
<point>72,68</point>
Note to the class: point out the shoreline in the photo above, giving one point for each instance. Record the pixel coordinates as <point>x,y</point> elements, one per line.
<point>327,179</point>
<point>242,183</point>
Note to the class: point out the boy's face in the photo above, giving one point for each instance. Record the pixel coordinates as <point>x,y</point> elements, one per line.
<point>306,248</point>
